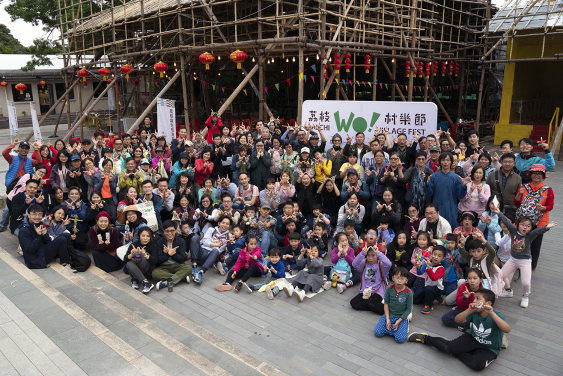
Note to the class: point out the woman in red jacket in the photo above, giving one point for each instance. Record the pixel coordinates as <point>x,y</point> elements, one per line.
<point>105,242</point>
<point>203,169</point>
<point>535,200</point>
<point>214,125</point>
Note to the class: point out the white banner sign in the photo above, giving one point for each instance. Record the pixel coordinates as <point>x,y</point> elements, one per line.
<point>351,117</point>
<point>13,119</point>
<point>166,118</point>
<point>147,212</point>
<point>36,130</point>
<point>111,99</point>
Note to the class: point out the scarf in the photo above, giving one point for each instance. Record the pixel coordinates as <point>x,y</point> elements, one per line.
<point>418,196</point>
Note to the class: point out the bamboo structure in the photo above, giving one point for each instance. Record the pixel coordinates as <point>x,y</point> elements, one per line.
<point>295,39</point>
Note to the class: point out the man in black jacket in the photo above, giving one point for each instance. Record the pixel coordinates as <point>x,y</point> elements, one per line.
<point>359,148</point>
<point>171,258</point>
<point>38,248</point>
<point>23,201</point>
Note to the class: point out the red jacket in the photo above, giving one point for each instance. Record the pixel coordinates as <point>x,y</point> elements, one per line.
<point>244,259</point>
<point>212,130</point>
<point>462,303</point>
<point>363,245</point>
<point>202,172</point>
<point>109,248</point>
<point>547,200</point>
<point>47,162</point>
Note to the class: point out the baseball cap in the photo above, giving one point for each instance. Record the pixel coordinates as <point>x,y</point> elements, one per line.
<point>145,161</point>
<point>189,143</point>
<point>75,157</point>
<point>313,135</point>
<point>265,205</point>
<point>351,170</point>
<point>107,149</point>
<point>87,142</point>
<point>305,150</point>
<point>24,144</point>
<point>435,148</point>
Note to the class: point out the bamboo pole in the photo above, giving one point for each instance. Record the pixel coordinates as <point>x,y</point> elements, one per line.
<point>56,126</point>
<point>480,95</point>
<point>153,102</point>
<point>79,122</point>
<point>323,59</point>
<point>80,108</point>
<point>229,100</point>
<point>53,108</point>
<point>391,75</point>
<point>185,94</point>
<point>301,67</point>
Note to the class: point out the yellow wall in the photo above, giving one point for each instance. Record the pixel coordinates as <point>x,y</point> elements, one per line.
<point>527,80</point>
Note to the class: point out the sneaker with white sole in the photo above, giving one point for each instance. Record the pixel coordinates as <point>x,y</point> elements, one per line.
<point>221,267</point>
<point>161,285</point>
<point>197,277</point>
<point>134,283</point>
<point>409,317</point>
<point>288,290</point>
<point>504,342</point>
<point>341,288</point>
<point>269,293</point>
<point>70,268</point>
<point>417,337</point>
<point>525,301</point>
<point>20,251</point>
<point>188,279</point>
<point>300,295</point>
<point>248,287</point>
<point>506,294</point>
<point>147,286</point>
<point>327,285</point>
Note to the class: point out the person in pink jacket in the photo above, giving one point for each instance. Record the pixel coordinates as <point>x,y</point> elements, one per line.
<point>342,250</point>
<point>214,125</point>
<point>249,264</point>
<point>478,193</point>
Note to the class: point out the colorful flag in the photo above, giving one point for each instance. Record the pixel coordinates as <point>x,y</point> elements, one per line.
<point>277,86</point>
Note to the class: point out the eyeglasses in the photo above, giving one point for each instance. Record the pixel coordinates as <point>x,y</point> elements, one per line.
<point>337,140</point>
<point>393,159</point>
<point>399,279</point>
<point>372,233</point>
<point>421,159</point>
<point>170,230</point>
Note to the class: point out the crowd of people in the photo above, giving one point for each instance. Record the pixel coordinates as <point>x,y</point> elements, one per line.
<point>427,221</point>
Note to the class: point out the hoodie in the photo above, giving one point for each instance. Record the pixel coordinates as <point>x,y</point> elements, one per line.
<point>373,275</point>
<point>245,259</point>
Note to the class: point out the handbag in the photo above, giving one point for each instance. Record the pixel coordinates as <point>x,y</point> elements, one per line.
<point>122,251</point>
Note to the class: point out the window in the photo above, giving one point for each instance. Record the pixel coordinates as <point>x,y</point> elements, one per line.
<point>61,89</point>
<point>27,95</point>
<point>101,89</point>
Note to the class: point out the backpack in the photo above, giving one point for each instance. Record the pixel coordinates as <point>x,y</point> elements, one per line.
<point>13,184</point>
<point>342,270</point>
<point>529,206</point>
<point>494,280</point>
<point>79,260</point>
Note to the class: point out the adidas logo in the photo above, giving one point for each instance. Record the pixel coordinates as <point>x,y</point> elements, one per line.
<point>481,331</point>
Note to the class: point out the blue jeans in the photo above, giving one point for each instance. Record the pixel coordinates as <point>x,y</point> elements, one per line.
<point>292,264</point>
<point>5,221</point>
<point>268,241</point>
<point>206,257</point>
<point>232,259</point>
<point>449,319</point>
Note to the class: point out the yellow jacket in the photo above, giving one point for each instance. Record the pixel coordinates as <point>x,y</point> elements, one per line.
<point>325,168</point>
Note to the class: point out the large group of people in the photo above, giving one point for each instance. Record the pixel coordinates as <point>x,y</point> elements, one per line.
<point>427,221</point>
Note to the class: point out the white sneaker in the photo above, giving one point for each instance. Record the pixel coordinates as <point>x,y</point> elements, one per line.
<point>341,287</point>
<point>409,317</point>
<point>71,269</point>
<point>524,302</point>
<point>507,294</point>
<point>20,251</point>
<point>504,342</point>
<point>288,290</point>
<point>300,295</point>
<point>327,285</point>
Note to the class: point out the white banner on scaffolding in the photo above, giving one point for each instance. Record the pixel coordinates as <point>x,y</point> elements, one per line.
<point>13,119</point>
<point>36,130</point>
<point>111,100</point>
<point>166,118</point>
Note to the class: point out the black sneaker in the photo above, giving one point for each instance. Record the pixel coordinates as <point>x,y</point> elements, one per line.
<point>248,287</point>
<point>161,285</point>
<point>417,337</point>
<point>238,286</point>
<point>134,283</point>
<point>147,286</point>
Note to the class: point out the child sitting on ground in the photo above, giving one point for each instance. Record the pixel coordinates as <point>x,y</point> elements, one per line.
<point>374,266</point>
<point>397,307</point>
<point>370,240</point>
<point>235,244</point>
<point>319,217</point>
<point>521,254</point>
<point>421,252</point>
<point>433,282</point>
<point>350,231</point>
<point>342,258</point>
<point>399,252</point>
<point>248,264</point>
<point>309,280</point>
<point>464,297</point>
<point>275,267</point>
<point>288,227</point>
<point>384,233</point>
<point>291,252</point>
<point>453,272</point>
<point>319,237</point>
<point>481,344</point>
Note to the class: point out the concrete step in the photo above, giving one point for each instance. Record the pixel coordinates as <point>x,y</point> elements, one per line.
<point>25,121</point>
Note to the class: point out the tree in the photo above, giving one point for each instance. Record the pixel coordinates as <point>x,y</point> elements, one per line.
<point>9,44</point>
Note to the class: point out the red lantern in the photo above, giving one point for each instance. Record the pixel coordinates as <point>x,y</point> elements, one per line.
<point>161,68</point>
<point>347,62</point>
<point>83,73</point>
<point>42,83</point>
<point>238,57</point>
<point>336,63</point>
<point>126,69</point>
<point>367,63</point>
<point>444,67</point>
<point>21,88</point>
<point>420,68</point>
<point>451,68</point>
<point>456,69</point>
<point>206,58</point>
<point>4,84</point>
<point>408,68</point>
<point>428,68</point>
<point>435,68</point>
<point>104,72</point>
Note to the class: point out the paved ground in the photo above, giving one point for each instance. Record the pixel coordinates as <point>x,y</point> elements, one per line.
<point>53,322</point>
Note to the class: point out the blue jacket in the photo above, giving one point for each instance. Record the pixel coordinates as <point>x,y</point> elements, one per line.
<point>363,194</point>
<point>180,256</point>
<point>237,246</point>
<point>32,246</point>
<point>157,202</point>
<point>280,271</point>
<point>494,227</point>
<point>524,162</point>
<point>176,150</point>
<point>81,213</point>
<point>98,184</point>
<point>15,167</point>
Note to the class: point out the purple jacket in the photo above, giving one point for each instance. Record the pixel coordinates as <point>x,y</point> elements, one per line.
<point>371,273</point>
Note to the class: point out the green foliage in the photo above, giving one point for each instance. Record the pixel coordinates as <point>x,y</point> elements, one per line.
<point>39,51</point>
<point>9,44</point>
<point>35,12</point>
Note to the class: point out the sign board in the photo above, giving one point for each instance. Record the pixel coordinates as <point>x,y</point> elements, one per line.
<point>13,118</point>
<point>351,117</point>
<point>147,212</point>
<point>111,100</point>
<point>166,118</point>
<point>36,130</point>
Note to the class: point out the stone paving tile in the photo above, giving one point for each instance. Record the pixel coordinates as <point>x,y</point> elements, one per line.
<point>107,363</point>
<point>166,359</point>
<point>79,344</point>
<point>53,321</point>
